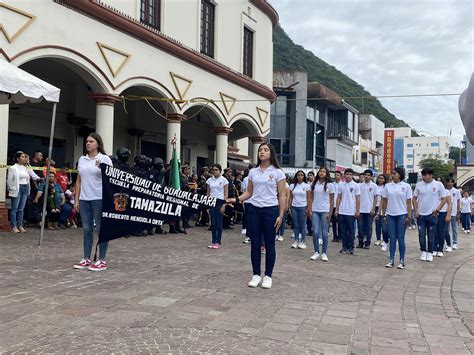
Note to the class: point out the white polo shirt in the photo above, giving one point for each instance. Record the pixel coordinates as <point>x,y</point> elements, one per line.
<point>455,199</point>
<point>348,192</point>
<point>91,178</point>
<point>336,191</point>
<point>445,206</point>
<point>321,198</point>
<point>368,190</point>
<point>397,195</point>
<point>465,205</point>
<point>265,186</point>
<point>216,186</point>
<point>379,194</point>
<point>429,196</point>
<point>299,194</point>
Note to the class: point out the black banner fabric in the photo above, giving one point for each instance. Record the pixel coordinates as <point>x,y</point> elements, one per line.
<point>131,204</point>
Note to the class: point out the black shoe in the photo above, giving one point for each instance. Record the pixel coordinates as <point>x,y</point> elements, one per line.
<point>367,245</point>
<point>350,251</point>
<point>360,245</point>
<point>309,234</point>
<point>343,251</point>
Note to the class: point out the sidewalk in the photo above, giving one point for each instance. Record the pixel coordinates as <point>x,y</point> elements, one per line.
<point>170,294</point>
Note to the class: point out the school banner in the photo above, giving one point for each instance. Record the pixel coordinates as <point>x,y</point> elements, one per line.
<point>131,204</point>
<point>388,163</point>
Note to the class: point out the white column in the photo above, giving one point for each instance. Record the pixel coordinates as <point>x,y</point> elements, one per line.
<point>4,109</point>
<point>104,119</point>
<point>222,142</point>
<point>173,130</point>
<point>256,141</point>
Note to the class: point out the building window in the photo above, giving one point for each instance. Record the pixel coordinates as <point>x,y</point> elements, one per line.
<point>248,52</point>
<point>409,155</point>
<point>207,27</point>
<point>309,139</point>
<point>409,166</point>
<point>434,144</point>
<point>150,13</point>
<point>410,145</point>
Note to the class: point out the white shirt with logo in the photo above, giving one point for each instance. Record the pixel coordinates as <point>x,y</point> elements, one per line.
<point>265,186</point>
<point>445,206</point>
<point>429,195</point>
<point>299,194</point>
<point>216,186</point>
<point>455,199</point>
<point>368,190</point>
<point>321,198</point>
<point>91,177</point>
<point>348,192</point>
<point>465,205</point>
<point>379,194</point>
<point>336,191</point>
<point>397,195</point>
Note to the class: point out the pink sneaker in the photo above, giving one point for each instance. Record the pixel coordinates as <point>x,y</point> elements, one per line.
<point>211,246</point>
<point>99,265</point>
<point>83,264</point>
<point>217,246</point>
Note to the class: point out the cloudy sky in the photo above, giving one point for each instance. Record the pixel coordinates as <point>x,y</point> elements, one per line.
<point>393,47</point>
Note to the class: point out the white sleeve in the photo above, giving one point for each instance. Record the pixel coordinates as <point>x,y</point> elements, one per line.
<point>409,193</point>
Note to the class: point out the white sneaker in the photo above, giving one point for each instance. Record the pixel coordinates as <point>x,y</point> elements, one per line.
<point>255,281</point>
<point>315,256</point>
<point>324,257</point>
<point>455,246</point>
<point>279,238</point>
<point>384,247</point>
<point>320,241</point>
<point>302,246</point>
<point>429,257</point>
<point>440,254</point>
<point>449,249</point>
<point>435,253</point>
<point>267,282</point>
<point>244,232</point>
<point>423,255</point>
<point>293,235</point>
<point>378,242</point>
<point>294,245</point>
<point>246,240</point>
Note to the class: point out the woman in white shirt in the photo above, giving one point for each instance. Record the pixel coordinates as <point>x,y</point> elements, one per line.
<point>298,200</point>
<point>217,186</point>
<point>266,187</point>
<point>320,207</point>
<point>396,211</point>
<point>18,182</point>
<point>444,219</point>
<point>88,200</point>
<point>380,227</point>
<point>466,212</point>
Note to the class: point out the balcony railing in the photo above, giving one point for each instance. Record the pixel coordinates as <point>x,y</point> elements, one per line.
<point>340,132</point>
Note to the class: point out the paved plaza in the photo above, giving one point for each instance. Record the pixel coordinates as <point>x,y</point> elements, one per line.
<point>170,294</point>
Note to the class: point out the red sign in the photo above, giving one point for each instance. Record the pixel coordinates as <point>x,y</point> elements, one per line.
<point>388,164</point>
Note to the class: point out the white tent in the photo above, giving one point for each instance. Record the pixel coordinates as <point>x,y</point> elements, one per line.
<point>18,86</point>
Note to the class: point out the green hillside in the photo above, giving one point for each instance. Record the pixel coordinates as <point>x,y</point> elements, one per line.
<point>290,56</point>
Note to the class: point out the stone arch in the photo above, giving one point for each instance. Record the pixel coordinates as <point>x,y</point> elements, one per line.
<point>244,125</point>
<point>208,110</point>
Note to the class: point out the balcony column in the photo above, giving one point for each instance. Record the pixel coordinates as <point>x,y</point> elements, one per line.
<point>173,130</point>
<point>4,111</point>
<point>104,118</point>
<point>256,141</point>
<point>222,141</point>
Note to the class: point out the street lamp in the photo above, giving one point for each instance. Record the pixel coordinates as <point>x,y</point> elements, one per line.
<point>314,146</point>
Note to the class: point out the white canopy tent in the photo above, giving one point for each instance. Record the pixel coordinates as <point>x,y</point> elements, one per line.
<point>18,86</point>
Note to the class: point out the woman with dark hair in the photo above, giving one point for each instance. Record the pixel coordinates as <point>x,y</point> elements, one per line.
<point>395,211</point>
<point>299,194</point>
<point>381,231</point>
<point>88,200</point>
<point>320,207</point>
<point>465,214</point>
<point>444,219</point>
<point>266,187</point>
<point>217,186</point>
<point>18,183</point>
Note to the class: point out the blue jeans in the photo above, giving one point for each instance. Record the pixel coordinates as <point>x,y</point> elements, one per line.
<point>466,221</point>
<point>216,225</point>
<point>18,206</point>
<point>396,230</point>
<point>366,223</point>
<point>91,211</point>
<point>298,216</point>
<point>261,225</point>
<point>427,229</point>
<point>381,230</point>
<point>454,227</point>
<point>347,231</point>
<point>282,226</point>
<point>441,228</point>
<point>320,229</point>
<point>66,210</point>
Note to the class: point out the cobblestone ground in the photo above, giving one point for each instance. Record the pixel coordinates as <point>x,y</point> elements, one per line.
<point>170,294</point>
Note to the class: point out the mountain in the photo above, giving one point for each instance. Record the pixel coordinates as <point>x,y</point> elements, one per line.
<point>290,56</point>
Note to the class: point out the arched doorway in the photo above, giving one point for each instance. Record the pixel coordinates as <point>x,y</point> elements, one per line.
<point>244,132</point>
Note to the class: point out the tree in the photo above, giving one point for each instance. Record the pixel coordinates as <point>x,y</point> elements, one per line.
<point>439,167</point>
<point>454,153</point>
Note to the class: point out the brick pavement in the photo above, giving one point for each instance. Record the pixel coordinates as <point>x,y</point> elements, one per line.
<point>170,294</point>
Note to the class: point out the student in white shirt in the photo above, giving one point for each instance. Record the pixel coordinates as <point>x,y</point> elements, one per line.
<point>217,186</point>
<point>381,231</point>
<point>348,210</point>
<point>455,213</point>
<point>396,212</point>
<point>88,200</point>
<point>298,201</point>
<point>18,183</point>
<point>428,198</point>
<point>335,231</point>
<point>368,201</point>
<point>320,206</point>
<point>281,231</point>
<point>444,219</point>
<point>466,212</point>
<point>243,188</point>
<point>266,187</point>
